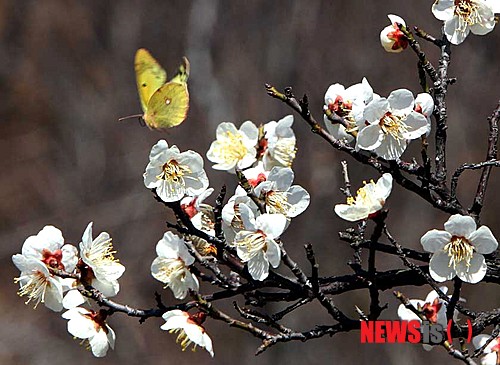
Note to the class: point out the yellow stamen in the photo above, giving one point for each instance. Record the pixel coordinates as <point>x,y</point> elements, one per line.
<point>173,172</point>
<point>459,249</point>
<point>394,126</point>
<point>278,202</point>
<point>232,148</point>
<point>35,288</point>
<point>468,12</point>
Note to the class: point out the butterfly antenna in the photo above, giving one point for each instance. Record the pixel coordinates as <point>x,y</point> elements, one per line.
<point>130,117</point>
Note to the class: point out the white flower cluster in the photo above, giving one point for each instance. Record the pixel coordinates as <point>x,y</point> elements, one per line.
<point>45,260</point>
<point>384,126</point>
<point>264,155</point>
<point>53,273</point>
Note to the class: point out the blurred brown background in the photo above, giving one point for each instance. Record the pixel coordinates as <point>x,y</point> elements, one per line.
<point>66,75</point>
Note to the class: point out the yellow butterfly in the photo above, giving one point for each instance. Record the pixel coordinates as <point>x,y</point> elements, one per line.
<point>165,104</point>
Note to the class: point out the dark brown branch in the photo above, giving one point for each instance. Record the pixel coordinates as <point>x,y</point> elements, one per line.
<point>492,154</point>
<point>440,112</point>
<point>375,308</point>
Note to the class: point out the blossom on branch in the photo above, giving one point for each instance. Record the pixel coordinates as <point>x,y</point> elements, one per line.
<point>348,104</point>
<point>101,269</point>
<point>279,194</point>
<point>277,145</point>
<point>491,351</point>
<point>368,201</point>
<point>433,308</point>
<point>38,283</point>
<point>189,329</point>
<point>173,173</point>
<point>39,255</point>
<point>91,326</point>
<point>463,16</point>
<point>234,148</point>
<point>424,104</point>
<point>390,124</point>
<point>458,250</point>
<point>256,245</point>
<point>171,265</point>
<point>391,37</point>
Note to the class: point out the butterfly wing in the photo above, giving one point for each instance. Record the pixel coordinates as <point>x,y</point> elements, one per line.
<point>149,74</point>
<point>168,106</point>
<point>182,74</point>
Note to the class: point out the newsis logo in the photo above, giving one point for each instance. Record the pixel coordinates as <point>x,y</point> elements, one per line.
<point>407,331</point>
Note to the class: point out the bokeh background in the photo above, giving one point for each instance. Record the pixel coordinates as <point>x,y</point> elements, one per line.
<point>66,76</point>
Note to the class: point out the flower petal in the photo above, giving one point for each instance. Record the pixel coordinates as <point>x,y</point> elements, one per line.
<point>435,240</point>
<point>258,266</point>
<point>473,273</point>
<point>370,137</point>
<point>351,213</point>
<point>443,9</point>
<point>273,253</point>
<point>460,225</point>
<point>439,268</point>
<point>483,240</point>
<point>401,99</point>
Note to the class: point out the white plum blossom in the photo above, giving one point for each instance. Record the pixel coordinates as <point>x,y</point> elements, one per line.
<point>349,104</point>
<point>97,254</point>
<point>458,250</point>
<point>92,327</point>
<point>278,143</point>
<point>48,246</point>
<point>234,148</point>
<point>203,218</point>
<point>368,201</point>
<point>391,123</point>
<point>391,37</point>
<point>491,351</point>
<point>38,283</point>
<point>433,308</point>
<point>40,254</point>
<point>173,173</point>
<point>463,16</point>
<point>424,104</point>
<point>189,329</point>
<point>256,245</point>
<point>280,196</point>
<point>171,265</point>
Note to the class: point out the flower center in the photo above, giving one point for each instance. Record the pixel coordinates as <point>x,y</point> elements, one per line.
<point>52,259</point>
<point>232,148</point>
<point>253,241</point>
<point>398,37</point>
<point>459,249</point>
<point>99,319</point>
<point>431,310</point>
<point>467,11</point>
<point>394,126</point>
<point>277,201</point>
<point>362,196</point>
<point>190,208</point>
<point>260,178</point>
<point>340,107</point>
<point>172,268</point>
<point>173,172</point>
<point>101,253</point>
